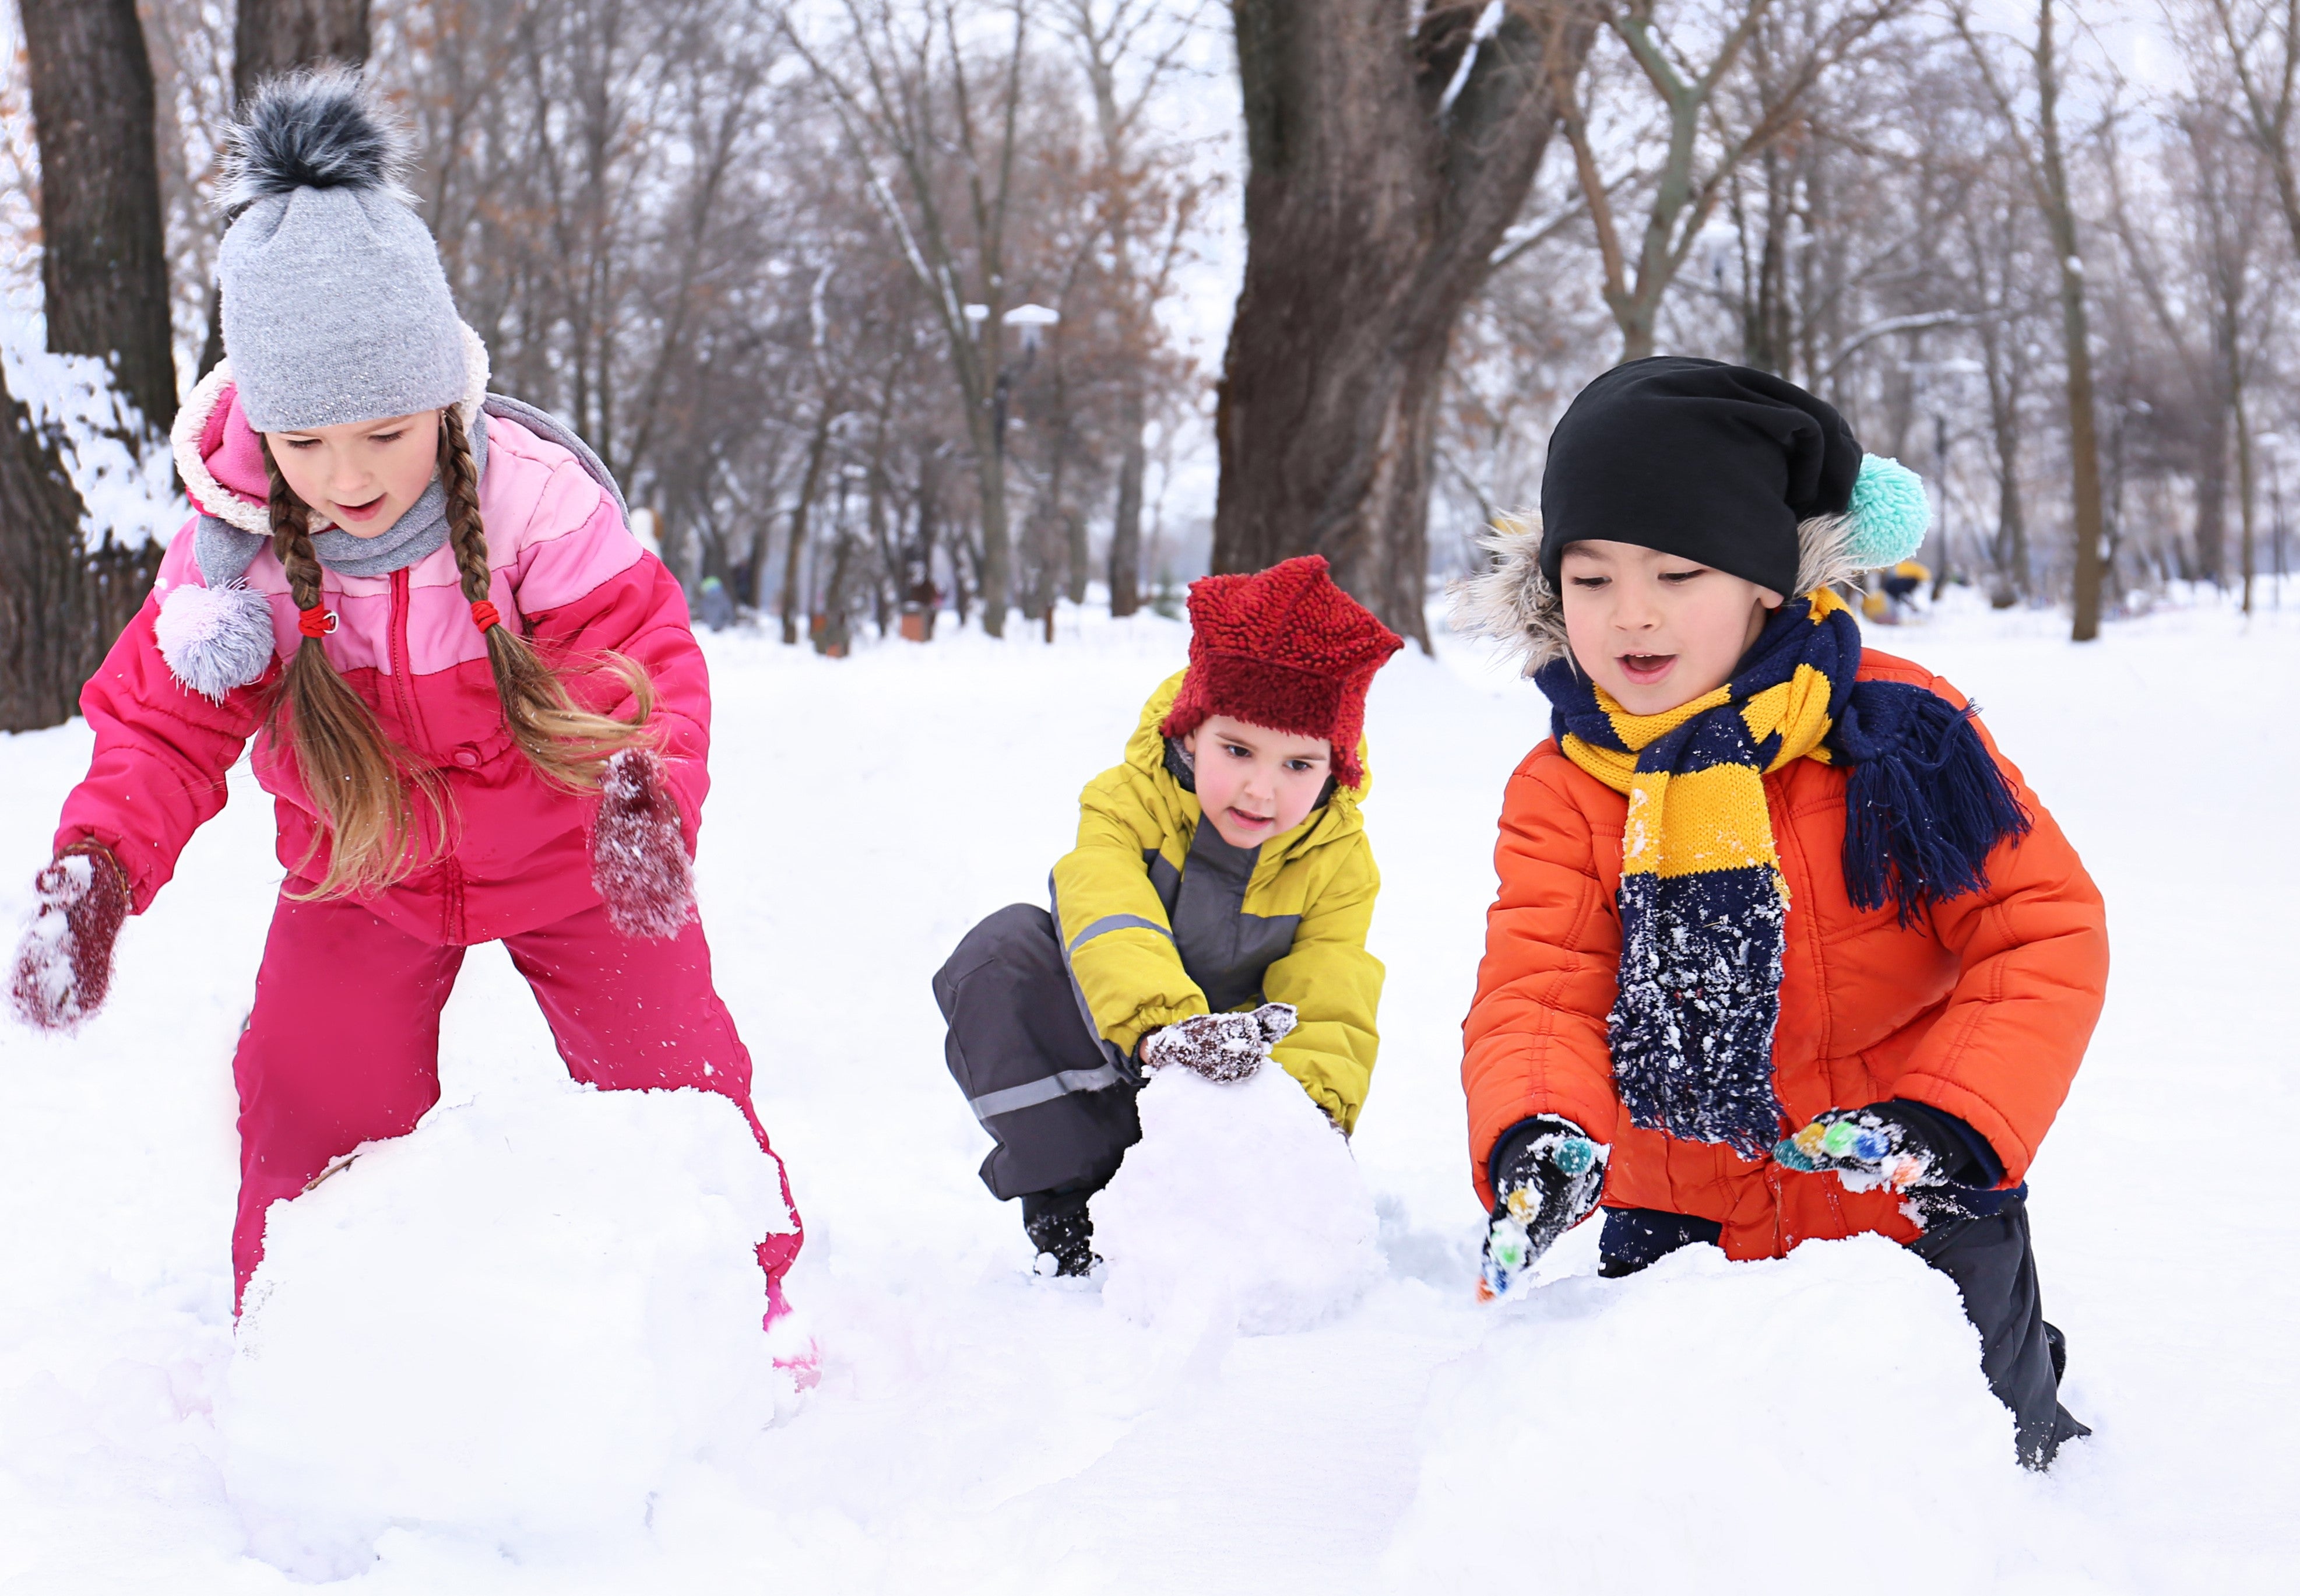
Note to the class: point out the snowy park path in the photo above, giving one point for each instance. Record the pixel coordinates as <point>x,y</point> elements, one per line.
<point>979,1429</point>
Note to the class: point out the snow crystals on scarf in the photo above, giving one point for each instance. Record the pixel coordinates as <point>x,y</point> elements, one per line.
<point>1692,1030</point>
<point>1703,905</point>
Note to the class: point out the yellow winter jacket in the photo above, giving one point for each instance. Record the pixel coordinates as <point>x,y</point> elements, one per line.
<point>1161,919</point>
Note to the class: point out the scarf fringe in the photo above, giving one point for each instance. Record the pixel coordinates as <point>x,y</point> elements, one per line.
<point>1925,804</point>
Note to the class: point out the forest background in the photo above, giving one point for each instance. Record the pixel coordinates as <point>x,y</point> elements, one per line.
<point>888,312</point>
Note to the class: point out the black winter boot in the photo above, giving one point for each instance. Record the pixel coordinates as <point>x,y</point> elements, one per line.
<point>1060,1227</point>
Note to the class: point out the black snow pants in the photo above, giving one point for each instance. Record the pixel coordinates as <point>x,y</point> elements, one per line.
<point>1057,1099</point>
<point>1994,1268</point>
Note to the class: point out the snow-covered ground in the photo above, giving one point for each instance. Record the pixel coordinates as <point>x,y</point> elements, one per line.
<point>1816,1424</point>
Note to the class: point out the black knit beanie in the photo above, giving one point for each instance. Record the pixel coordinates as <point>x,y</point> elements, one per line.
<point>1709,462</point>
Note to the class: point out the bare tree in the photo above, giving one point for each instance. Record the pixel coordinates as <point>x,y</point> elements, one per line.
<point>66,588</point>
<point>1703,145</point>
<point>2258,45</point>
<point>279,35</point>
<point>104,247</point>
<point>2249,44</point>
<point>1139,204</point>
<point>1994,267</point>
<point>915,93</point>
<point>2038,140</point>
<point>1387,163</point>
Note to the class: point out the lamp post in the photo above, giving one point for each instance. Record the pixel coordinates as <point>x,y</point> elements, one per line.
<point>1031,321</point>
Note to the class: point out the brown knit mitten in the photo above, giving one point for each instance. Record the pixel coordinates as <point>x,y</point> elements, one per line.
<point>1220,1047</point>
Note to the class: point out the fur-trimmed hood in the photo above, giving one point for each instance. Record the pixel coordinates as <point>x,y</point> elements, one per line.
<point>219,455</point>
<point>1514,603</point>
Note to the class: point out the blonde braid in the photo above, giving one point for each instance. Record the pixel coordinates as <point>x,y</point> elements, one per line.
<point>349,769</point>
<point>570,746</point>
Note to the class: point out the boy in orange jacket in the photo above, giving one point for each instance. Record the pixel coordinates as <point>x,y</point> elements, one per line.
<point>1783,947</point>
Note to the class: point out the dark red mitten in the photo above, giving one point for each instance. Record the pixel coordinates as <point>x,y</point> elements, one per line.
<point>639,855</point>
<point>63,966</point>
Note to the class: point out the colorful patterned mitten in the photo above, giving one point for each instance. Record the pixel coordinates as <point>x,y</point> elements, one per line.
<point>1866,1149</point>
<point>1545,1183</point>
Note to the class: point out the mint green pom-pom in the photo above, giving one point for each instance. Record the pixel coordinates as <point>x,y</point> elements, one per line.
<point>1888,515</point>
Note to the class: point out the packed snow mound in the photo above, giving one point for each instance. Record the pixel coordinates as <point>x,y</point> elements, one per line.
<point>1789,1425</point>
<point>1241,1206</point>
<point>510,1326</point>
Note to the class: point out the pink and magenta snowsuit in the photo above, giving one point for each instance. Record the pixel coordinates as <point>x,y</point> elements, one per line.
<point>342,1045</point>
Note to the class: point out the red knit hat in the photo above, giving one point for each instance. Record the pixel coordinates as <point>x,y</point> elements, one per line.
<point>1284,649</point>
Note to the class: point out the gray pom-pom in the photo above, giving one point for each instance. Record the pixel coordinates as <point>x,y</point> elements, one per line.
<point>215,639</point>
<point>312,129</point>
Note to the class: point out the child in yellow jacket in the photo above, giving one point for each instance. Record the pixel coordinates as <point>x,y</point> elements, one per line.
<point>1211,946</point>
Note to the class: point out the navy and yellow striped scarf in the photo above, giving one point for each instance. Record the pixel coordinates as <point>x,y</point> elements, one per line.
<point>1703,900</point>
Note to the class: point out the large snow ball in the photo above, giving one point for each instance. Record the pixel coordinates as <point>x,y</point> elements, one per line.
<point>510,1324</point>
<point>1819,1423</point>
<point>1241,1204</point>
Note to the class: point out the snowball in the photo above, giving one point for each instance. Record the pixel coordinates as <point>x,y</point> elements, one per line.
<point>1241,1204</point>
<point>510,1326</point>
<point>1720,1427</point>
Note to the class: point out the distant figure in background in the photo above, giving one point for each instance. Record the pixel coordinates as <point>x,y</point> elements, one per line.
<point>473,694</point>
<point>1784,949</point>
<point>1214,913</point>
<point>1897,589</point>
<point>717,605</point>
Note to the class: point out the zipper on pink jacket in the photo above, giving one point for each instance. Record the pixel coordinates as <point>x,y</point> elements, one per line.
<point>403,669</point>
<point>418,740</point>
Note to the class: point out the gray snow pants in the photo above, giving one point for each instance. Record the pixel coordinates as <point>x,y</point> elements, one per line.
<point>1054,1096</point>
<point>1994,1268</point>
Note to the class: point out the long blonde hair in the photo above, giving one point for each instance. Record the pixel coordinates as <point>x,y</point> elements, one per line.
<point>365,786</point>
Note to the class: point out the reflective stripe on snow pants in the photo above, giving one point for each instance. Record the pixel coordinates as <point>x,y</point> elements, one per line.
<point>1019,1047</point>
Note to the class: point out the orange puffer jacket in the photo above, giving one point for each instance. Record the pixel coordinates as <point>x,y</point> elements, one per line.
<point>1981,1008</point>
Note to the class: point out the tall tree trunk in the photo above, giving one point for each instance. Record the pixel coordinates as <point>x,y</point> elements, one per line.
<point>1385,164</point>
<point>2011,524</point>
<point>105,270</point>
<point>2244,485</point>
<point>836,635</point>
<point>278,36</point>
<point>104,247</point>
<point>994,568</point>
<point>60,605</point>
<point>2211,542</point>
<point>2076,336</point>
<point>2011,541</point>
<point>1126,523</point>
<point>271,36</point>
<point>817,449</point>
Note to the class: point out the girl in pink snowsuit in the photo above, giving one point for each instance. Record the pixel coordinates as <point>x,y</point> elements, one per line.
<point>484,718</point>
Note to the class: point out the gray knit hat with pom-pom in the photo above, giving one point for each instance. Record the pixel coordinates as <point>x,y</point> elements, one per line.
<point>334,308</point>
